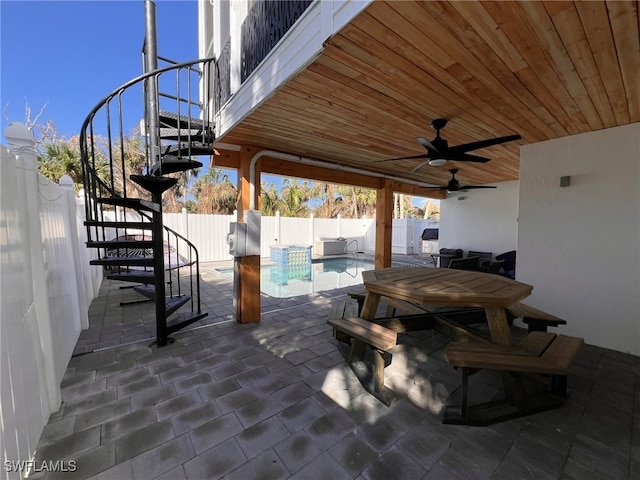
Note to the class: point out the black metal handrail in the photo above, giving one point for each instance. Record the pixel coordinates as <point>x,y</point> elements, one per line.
<point>87,135</point>
<point>266,23</point>
<point>105,166</point>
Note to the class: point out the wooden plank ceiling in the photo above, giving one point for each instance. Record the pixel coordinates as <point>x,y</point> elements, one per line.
<point>543,70</point>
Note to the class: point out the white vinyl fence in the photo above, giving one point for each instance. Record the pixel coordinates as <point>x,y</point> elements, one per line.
<point>209,233</point>
<point>46,287</point>
<point>47,283</point>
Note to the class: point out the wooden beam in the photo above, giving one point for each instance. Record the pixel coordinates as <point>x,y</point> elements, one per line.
<point>312,172</point>
<point>247,269</point>
<point>231,159</point>
<point>384,222</point>
<point>417,191</point>
<point>225,159</point>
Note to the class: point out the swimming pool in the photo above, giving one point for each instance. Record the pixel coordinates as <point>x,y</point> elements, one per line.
<point>321,275</point>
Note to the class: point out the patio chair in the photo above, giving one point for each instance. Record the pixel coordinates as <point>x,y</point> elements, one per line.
<point>466,263</point>
<point>485,263</point>
<point>483,257</point>
<point>444,261</point>
<point>508,263</point>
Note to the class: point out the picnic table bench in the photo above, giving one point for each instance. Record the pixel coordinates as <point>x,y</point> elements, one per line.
<point>536,320</point>
<point>360,333</point>
<point>545,357</point>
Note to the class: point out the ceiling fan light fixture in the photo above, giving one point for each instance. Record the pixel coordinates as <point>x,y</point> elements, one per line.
<point>437,162</point>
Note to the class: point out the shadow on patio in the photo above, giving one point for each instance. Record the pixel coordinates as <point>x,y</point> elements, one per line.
<point>276,400</point>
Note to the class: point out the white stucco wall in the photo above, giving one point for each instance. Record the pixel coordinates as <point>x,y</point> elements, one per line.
<point>485,220</point>
<point>579,246</point>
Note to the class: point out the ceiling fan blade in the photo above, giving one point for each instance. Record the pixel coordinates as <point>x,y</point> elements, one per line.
<point>403,158</point>
<point>470,187</point>
<point>420,166</point>
<point>465,157</point>
<point>467,147</point>
<point>428,145</point>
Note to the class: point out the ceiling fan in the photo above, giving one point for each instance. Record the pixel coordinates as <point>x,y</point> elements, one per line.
<point>439,151</point>
<point>454,184</point>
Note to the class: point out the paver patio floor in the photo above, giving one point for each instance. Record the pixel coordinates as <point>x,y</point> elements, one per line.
<point>276,400</point>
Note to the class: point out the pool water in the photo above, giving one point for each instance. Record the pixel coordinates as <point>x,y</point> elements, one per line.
<point>321,275</point>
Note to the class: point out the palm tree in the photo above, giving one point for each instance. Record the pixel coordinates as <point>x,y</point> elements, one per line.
<point>343,200</point>
<point>294,198</point>
<point>432,209</point>
<point>59,156</point>
<point>269,199</point>
<point>215,193</point>
<point>363,202</point>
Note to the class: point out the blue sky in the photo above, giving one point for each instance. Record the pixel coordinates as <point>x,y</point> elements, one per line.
<point>68,55</point>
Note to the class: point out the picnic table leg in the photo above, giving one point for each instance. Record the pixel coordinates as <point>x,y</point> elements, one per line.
<point>498,326</point>
<point>500,334</point>
<point>378,370</point>
<point>357,350</point>
<point>371,302</point>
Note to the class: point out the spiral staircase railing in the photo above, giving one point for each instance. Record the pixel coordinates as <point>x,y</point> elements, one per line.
<point>125,184</point>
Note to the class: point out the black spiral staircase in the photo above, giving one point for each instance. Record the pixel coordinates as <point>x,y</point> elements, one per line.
<point>127,174</point>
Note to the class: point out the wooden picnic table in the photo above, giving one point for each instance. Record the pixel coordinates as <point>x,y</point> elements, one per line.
<point>447,287</point>
<point>544,356</point>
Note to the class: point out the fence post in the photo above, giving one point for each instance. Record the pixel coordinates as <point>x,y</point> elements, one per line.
<point>23,144</point>
<point>278,227</point>
<point>67,186</point>
<point>92,274</point>
<point>311,229</point>
<point>185,223</point>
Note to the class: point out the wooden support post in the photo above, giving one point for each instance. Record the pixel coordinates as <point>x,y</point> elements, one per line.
<point>247,269</point>
<point>384,223</point>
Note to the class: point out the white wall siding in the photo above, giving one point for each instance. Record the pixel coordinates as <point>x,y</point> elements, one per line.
<point>485,220</point>
<point>583,261</point>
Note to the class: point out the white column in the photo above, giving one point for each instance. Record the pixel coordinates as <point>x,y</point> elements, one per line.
<point>277,239</point>
<point>237,15</point>
<point>326,19</point>
<point>311,229</point>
